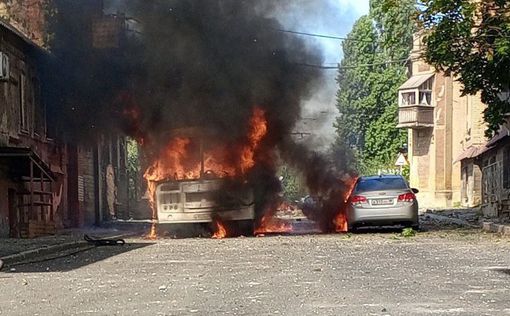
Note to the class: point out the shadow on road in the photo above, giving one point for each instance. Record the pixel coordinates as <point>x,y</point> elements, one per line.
<point>67,262</point>
<point>503,270</point>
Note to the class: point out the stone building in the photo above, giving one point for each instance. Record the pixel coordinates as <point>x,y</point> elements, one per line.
<point>493,159</point>
<point>443,126</point>
<point>32,162</point>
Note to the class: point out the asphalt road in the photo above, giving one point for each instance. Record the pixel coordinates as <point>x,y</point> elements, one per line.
<point>434,273</point>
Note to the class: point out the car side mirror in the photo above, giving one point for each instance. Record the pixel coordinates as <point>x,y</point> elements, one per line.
<point>415,190</point>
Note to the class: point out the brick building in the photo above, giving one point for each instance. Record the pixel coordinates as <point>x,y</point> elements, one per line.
<point>493,158</point>
<point>47,183</point>
<point>443,126</point>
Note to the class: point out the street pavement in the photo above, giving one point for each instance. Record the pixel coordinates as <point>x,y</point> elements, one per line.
<point>12,246</point>
<point>439,272</point>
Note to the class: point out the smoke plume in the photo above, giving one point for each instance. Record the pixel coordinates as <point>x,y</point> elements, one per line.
<point>192,63</point>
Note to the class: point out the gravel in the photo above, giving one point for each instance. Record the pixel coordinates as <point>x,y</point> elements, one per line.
<point>449,271</point>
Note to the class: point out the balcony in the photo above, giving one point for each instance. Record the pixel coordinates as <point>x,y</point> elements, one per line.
<point>415,116</point>
<point>415,102</point>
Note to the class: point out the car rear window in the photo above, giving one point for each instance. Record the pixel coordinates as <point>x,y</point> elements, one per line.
<point>380,184</point>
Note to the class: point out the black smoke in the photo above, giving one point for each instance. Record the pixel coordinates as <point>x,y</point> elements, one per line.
<point>189,63</point>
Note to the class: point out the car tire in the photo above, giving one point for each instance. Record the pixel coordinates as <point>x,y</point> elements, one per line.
<point>352,229</point>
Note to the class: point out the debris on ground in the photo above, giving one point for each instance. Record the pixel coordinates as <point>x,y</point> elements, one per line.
<point>469,218</point>
<point>408,232</point>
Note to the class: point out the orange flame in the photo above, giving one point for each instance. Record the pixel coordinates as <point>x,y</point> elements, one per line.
<point>153,235</point>
<point>340,221</point>
<point>177,161</point>
<point>258,130</point>
<point>270,224</point>
<point>341,225</point>
<point>180,160</point>
<point>220,231</point>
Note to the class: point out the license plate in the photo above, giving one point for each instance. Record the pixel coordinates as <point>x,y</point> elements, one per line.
<point>201,217</point>
<point>382,202</point>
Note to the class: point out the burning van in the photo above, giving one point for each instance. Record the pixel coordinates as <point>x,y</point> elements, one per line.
<point>197,179</point>
<point>201,200</point>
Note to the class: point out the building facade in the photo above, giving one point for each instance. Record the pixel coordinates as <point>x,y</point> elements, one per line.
<point>46,182</point>
<point>493,159</point>
<point>443,124</point>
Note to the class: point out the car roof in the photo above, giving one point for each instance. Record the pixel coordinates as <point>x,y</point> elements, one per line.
<point>385,176</point>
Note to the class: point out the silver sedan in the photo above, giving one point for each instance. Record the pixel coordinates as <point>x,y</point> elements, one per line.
<point>381,201</point>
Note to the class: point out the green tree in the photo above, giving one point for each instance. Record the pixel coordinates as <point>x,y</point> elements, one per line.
<point>133,168</point>
<point>471,40</point>
<point>370,73</point>
<point>292,183</point>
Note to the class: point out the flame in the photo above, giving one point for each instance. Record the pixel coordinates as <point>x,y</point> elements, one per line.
<point>258,130</point>
<point>220,231</point>
<point>152,235</point>
<point>340,221</point>
<point>341,225</point>
<point>271,224</point>
<point>180,159</point>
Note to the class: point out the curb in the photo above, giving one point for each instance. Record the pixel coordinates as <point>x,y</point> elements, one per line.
<point>496,228</point>
<point>31,255</point>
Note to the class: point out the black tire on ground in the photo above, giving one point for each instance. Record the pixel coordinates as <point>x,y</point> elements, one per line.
<point>352,229</point>
<point>414,226</point>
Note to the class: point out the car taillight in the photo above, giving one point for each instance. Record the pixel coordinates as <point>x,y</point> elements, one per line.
<point>408,197</point>
<point>358,199</point>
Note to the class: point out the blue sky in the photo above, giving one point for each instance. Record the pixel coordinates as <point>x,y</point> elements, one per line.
<point>328,17</point>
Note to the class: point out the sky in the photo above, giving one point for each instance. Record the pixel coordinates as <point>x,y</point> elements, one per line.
<point>328,17</point>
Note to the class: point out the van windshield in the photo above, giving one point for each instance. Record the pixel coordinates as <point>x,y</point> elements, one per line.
<point>381,184</point>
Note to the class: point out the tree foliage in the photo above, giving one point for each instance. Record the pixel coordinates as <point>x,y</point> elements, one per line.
<point>370,73</point>
<point>471,40</point>
<point>292,183</point>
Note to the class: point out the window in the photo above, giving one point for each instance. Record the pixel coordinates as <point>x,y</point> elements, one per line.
<point>23,115</point>
<point>425,97</point>
<point>408,98</point>
<point>506,168</point>
<point>417,94</point>
<point>382,183</point>
<point>425,91</point>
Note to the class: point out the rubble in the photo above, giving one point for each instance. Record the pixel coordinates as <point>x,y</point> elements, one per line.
<point>469,218</point>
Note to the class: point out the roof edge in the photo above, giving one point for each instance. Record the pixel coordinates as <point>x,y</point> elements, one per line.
<point>9,27</point>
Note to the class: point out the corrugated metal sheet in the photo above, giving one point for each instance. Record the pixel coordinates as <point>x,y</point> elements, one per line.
<point>416,81</point>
